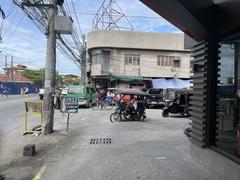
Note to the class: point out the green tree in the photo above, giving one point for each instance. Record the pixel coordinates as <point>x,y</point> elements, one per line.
<point>36,76</point>
<point>59,81</point>
<point>70,80</point>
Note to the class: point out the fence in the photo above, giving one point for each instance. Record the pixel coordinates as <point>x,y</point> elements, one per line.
<point>15,87</point>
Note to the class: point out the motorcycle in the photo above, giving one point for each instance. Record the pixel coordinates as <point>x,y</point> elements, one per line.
<point>130,114</point>
<point>116,116</point>
<point>135,115</point>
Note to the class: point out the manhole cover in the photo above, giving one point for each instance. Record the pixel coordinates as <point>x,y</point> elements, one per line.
<point>101,141</point>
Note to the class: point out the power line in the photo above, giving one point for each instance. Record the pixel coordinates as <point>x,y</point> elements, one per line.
<point>74,34</point>
<point>12,21</point>
<point>16,28</point>
<point>77,19</point>
<point>128,16</point>
<point>2,13</point>
<point>10,10</point>
<point>109,16</point>
<point>39,17</point>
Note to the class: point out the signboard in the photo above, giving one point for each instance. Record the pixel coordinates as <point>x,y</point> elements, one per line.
<point>69,105</point>
<point>32,108</point>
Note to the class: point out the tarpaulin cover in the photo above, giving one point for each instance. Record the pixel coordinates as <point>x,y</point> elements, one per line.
<point>174,83</point>
<point>15,87</point>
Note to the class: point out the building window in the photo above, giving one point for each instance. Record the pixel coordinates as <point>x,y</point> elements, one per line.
<point>158,62</point>
<point>133,59</point>
<point>97,59</point>
<point>171,61</point>
<point>228,100</point>
<point>176,63</point>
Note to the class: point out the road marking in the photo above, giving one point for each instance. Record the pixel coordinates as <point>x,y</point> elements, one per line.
<point>39,174</point>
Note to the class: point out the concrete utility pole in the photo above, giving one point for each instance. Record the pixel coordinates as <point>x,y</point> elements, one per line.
<point>6,66</point>
<point>50,71</point>
<point>11,70</point>
<point>83,61</point>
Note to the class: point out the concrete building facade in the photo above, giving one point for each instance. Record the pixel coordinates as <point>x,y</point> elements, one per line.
<point>14,74</point>
<point>140,56</point>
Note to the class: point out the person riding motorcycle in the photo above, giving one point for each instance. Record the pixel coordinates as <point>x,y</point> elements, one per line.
<point>130,107</point>
<point>131,104</point>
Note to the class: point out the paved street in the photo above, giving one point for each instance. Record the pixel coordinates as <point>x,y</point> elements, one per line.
<point>155,149</point>
<point>12,112</point>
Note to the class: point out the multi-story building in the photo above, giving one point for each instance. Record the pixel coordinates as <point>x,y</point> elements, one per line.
<point>129,59</point>
<point>14,74</point>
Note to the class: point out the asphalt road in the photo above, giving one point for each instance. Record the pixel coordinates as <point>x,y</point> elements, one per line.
<point>12,112</point>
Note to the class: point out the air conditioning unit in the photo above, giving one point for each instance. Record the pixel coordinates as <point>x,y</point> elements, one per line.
<point>176,58</point>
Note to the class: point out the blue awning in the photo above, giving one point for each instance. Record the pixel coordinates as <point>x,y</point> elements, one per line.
<point>174,83</point>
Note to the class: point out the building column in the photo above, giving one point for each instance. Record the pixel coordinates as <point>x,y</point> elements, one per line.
<point>203,101</point>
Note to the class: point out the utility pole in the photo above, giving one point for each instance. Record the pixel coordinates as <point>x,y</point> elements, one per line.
<point>6,66</point>
<point>83,61</point>
<point>11,70</point>
<point>50,70</point>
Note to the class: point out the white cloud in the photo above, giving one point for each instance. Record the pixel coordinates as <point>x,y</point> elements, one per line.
<point>28,45</point>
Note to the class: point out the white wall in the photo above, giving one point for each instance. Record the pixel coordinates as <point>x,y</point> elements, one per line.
<point>148,45</point>
<point>135,40</point>
<point>148,64</point>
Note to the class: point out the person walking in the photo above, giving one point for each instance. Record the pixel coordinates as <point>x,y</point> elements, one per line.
<point>22,90</point>
<point>26,90</point>
<point>4,91</point>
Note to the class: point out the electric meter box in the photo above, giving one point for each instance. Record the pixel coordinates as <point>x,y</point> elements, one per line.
<point>63,24</point>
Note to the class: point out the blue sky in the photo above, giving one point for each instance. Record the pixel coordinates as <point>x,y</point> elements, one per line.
<point>23,41</point>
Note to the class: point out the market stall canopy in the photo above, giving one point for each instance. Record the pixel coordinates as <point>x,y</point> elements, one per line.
<point>174,83</point>
<point>200,19</point>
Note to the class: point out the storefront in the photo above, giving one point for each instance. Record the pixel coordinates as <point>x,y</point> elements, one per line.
<point>215,26</point>
<point>122,82</point>
<point>228,100</point>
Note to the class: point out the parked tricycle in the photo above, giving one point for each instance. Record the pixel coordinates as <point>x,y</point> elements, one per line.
<point>179,104</point>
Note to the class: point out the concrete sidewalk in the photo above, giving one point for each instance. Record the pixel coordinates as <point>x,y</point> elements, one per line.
<point>12,163</point>
<point>155,149</point>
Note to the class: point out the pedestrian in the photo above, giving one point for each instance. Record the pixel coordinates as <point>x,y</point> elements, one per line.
<point>22,90</point>
<point>57,99</point>
<point>102,95</point>
<point>26,90</point>
<point>110,96</point>
<point>4,91</point>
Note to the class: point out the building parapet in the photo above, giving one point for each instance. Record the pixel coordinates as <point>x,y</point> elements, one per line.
<point>136,40</point>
